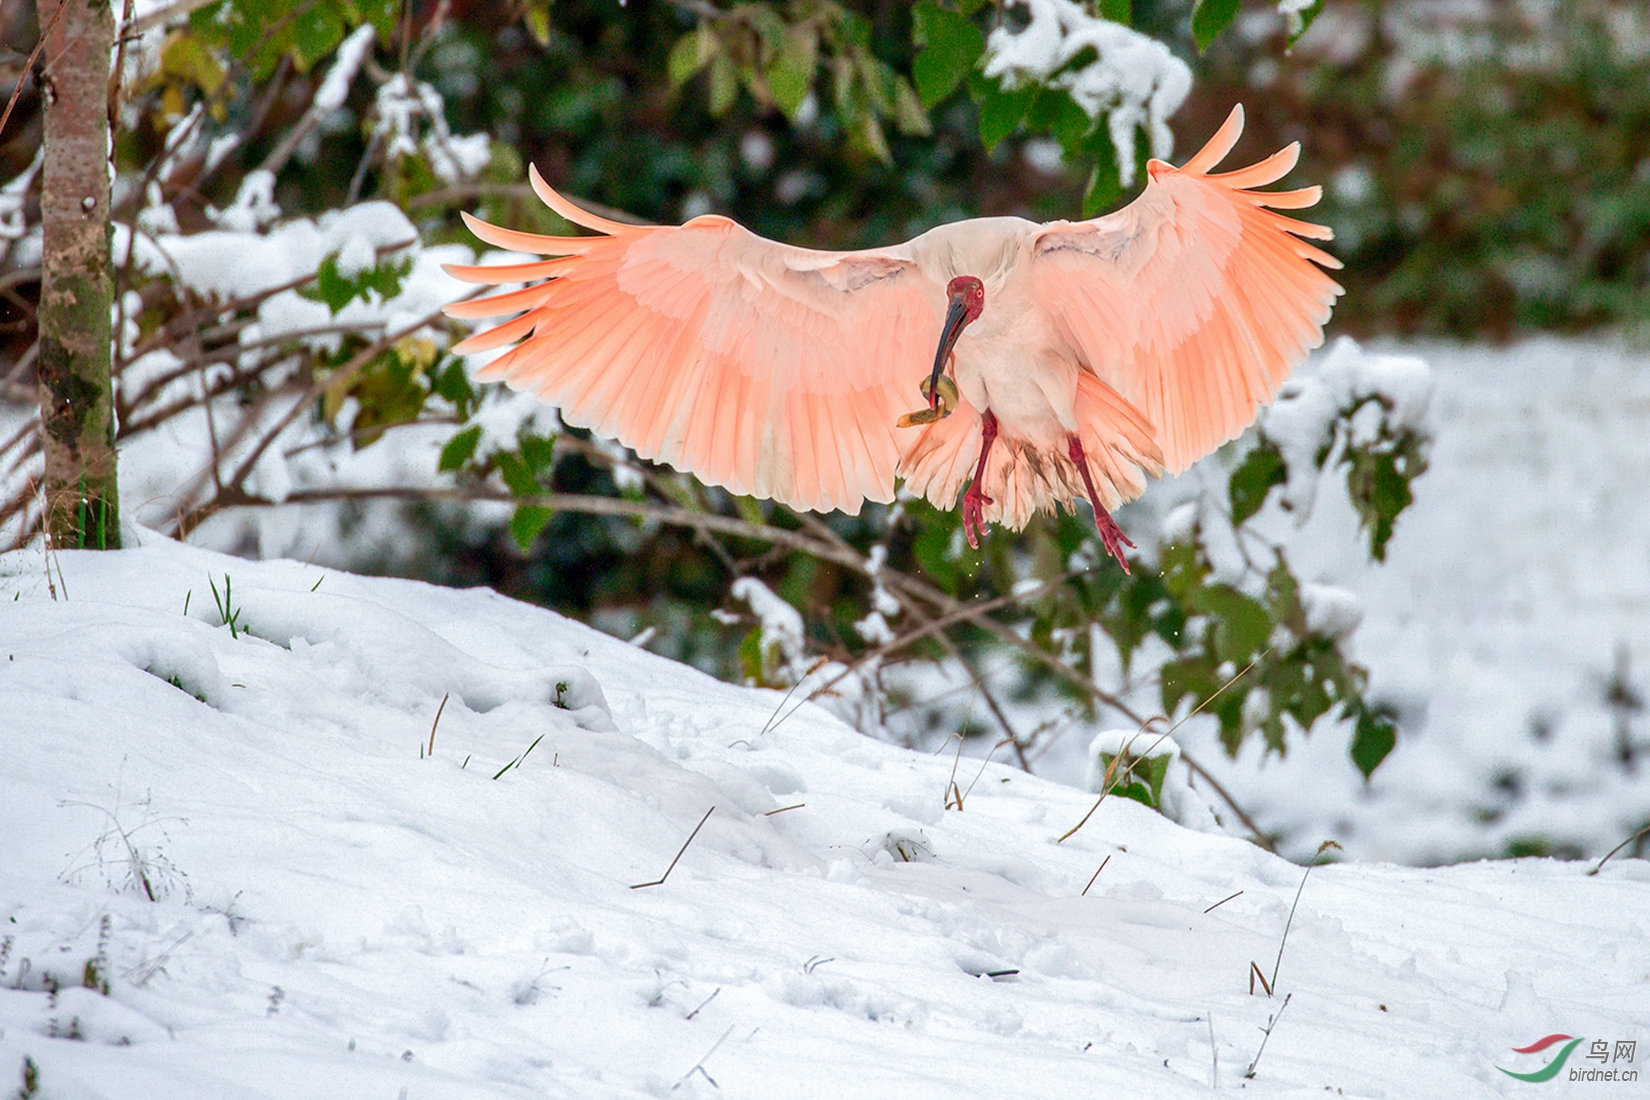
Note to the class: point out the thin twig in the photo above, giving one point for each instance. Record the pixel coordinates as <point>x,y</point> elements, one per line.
<point>660,881</point>
<point>1322,848</point>
<point>986,760</point>
<point>699,1066</point>
<point>1096,875</point>
<point>1618,848</point>
<point>28,66</point>
<point>437,721</point>
<point>702,1004</point>
<point>1214,1052</point>
<point>1221,902</point>
<point>1266,1033</point>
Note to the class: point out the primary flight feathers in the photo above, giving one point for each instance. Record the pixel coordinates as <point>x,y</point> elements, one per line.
<point>1125,345</point>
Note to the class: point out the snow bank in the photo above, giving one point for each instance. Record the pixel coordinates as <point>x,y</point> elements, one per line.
<point>394,834</point>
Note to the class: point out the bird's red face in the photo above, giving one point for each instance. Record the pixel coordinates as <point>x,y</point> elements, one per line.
<point>965,300</point>
<point>970,292</point>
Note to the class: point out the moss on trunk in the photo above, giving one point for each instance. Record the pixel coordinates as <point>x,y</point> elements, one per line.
<point>76,398</point>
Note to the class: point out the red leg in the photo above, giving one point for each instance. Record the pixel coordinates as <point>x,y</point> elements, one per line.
<point>1110,534</point>
<point>974,500</point>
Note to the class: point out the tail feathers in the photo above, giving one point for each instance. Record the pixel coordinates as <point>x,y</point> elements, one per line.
<point>1024,477</point>
<point>938,462</point>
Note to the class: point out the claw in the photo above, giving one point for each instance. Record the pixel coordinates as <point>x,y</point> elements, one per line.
<point>974,503</point>
<point>1113,537</point>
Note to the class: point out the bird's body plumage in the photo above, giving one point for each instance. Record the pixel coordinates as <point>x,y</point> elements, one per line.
<point>1138,342</point>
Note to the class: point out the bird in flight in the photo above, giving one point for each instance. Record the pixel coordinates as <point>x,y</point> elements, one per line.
<point>1073,358</point>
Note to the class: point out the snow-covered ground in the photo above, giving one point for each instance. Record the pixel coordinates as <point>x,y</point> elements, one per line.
<point>339,911</point>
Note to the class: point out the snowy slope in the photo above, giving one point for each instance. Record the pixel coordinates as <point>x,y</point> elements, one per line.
<point>337,915</point>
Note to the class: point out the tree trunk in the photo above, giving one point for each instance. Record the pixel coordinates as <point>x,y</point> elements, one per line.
<point>76,400</point>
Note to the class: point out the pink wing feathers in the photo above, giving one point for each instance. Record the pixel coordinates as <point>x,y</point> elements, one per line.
<point>772,370</point>
<point>1194,301</point>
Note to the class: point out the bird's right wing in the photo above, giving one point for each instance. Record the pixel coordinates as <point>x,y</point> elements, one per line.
<point>775,371</point>
<point>1194,301</point>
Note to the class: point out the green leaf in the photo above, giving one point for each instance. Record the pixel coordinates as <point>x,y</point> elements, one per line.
<point>1378,477</point>
<point>791,73</point>
<point>384,14</point>
<point>908,113</point>
<point>1261,470</point>
<point>188,57</point>
<point>389,391</point>
<point>1375,737</point>
<point>949,46</point>
<point>1057,113</point>
<point>878,81</point>
<point>526,524</point>
<point>516,474</point>
<point>856,29</point>
<point>453,385</point>
<point>1242,625</point>
<point>1118,11</point>
<point>1140,777</point>
<point>316,32</point>
<point>338,290</point>
<point>770,28</point>
<point>459,449</point>
<point>869,132</point>
<point>1137,791</point>
<point>1183,567</point>
<point>330,287</point>
<point>1209,18</point>
<point>1192,676</point>
<point>724,85</point>
<point>537,18</point>
<point>750,656</point>
<point>1000,110</point>
<point>690,53</point>
<point>1298,22</point>
<point>538,451</point>
<point>1105,185</point>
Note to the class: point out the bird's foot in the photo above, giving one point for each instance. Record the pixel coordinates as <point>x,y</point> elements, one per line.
<point>1112,535</point>
<point>973,506</point>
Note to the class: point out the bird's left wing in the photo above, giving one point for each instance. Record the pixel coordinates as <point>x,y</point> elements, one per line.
<point>1194,301</point>
<point>775,371</point>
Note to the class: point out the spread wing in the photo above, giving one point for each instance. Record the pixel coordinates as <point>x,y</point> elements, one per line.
<point>774,371</point>
<point>1194,301</point>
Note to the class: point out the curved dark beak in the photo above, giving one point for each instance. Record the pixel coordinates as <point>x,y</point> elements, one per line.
<point>956,318</point>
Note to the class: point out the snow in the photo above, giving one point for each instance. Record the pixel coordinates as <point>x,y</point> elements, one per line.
<point>335,88</point>
<point>1397,389</point>
<point>1133,78</point>
<point>401,104</point>
<point>1516,592</point>
<point>235,262</point>
<point>351,898</point>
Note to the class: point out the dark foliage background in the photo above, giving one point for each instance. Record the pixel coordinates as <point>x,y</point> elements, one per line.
<point>1488,175</point>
